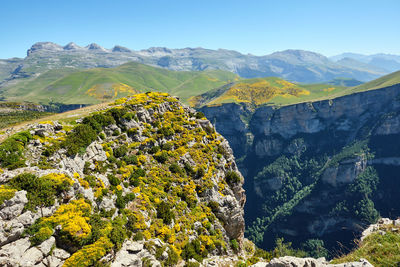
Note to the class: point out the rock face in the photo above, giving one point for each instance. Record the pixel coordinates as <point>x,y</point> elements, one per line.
<point>314,157</point>
<point>133,184</point>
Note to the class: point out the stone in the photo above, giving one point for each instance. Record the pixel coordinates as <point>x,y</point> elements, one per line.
<point>46,245</point>
<point>133,247</point>
<point>13,207</point>
<point>60,254</point>
<point>31,257</point>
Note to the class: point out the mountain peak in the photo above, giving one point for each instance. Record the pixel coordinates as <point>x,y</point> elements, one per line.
<point>296,56</point>
<point>44,46</point>
<point>119,48</point>
<point>72,46</point>
<point>94,46</point>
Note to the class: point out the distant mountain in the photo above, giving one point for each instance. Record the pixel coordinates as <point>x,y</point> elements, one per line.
<point>386,62</point>
<point>293,65</point>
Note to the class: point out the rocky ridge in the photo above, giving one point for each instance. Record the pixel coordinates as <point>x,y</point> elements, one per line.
<point>146,181</point>
<point>294,65</point>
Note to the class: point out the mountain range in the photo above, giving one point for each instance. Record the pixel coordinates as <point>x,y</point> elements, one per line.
<point>293,65</point>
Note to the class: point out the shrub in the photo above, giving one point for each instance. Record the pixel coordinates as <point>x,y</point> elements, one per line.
<point>77,141</point>
<point>6,193</point>
<point>200,115</point>
<point>164,212</point>
<point>166,131</point>
<point>200,172</point>
<point>172,259</point>
<point>161,157</point>
<point>120,151</point>
<point>138,236</point>
<point>131,159</point>
<point>134,177</point>
<point>214,206</point>
<point>189,169</point>
<point>11,150</point>
<point>154,149</point>
<point>232,177</point>
<point>167,146</point>
<point>192,250</point>
<point>90,254</point>
<point>41,190</point>
<point>234,245</point>
<point>118,232</point>
<point>113,180</point>
<point>174,168</point>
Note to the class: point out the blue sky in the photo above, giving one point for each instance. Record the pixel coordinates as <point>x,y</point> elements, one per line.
<point>258,27</point>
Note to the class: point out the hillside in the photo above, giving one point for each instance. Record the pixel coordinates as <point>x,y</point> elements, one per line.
<point>277,92</point>
<point>269,91</point>
<point>143,181</point>
<point>70,86</point>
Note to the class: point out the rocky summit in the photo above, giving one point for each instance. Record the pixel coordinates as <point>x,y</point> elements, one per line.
<point>144,181</point>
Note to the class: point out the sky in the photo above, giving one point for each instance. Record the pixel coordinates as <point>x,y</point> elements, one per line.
<point>328,27</point>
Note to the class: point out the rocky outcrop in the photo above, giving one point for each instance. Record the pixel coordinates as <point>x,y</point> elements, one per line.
<point>152,180</point>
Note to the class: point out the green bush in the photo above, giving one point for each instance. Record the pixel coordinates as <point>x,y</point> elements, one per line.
<point>166,131</point>
<point>200,115</point>
<point>113,180</point>
<point>164,212</point>
<point>172,259</point>
<point>214,206</point>
<point>192,250</point>
<point>77,141</point>
<point>162,157</point>
<point>234,245</point>
<point>167,146</point>
<point>41,191</point>
<point>11,150</point>
<point>154,149</point>
<point>130,159</point>
<point>200,172</point>
<point>118,232</point>
<point>174,168</point>
<point>232,177</point>
<point>134,177</point>
<point>120,151</point>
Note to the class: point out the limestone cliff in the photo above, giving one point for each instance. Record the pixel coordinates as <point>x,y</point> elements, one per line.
<point>144,182</point>
<point>320,170</point>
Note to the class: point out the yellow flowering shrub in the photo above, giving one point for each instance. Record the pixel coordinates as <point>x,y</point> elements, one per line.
<point>89,254</point>
<point>6,193</point>
<point>73,218</point>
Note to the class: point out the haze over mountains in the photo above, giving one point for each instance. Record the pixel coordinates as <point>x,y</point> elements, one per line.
<point>293,65</point>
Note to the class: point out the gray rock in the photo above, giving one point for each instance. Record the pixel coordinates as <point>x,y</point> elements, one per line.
<point>46,245</point>
<point>15,251</point>
<point>31,257</point>
<point>60,254</point>
<point>13,207</point>
<point>133,247</point>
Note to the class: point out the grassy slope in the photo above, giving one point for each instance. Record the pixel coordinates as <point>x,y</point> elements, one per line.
<point>270,90</point>
<point>72,87</point>
<point>379,250</point>
<point>10,118</point>
<point>316,91</point>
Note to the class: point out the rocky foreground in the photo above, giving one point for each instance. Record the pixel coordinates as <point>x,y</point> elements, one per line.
<point>145,182</point>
